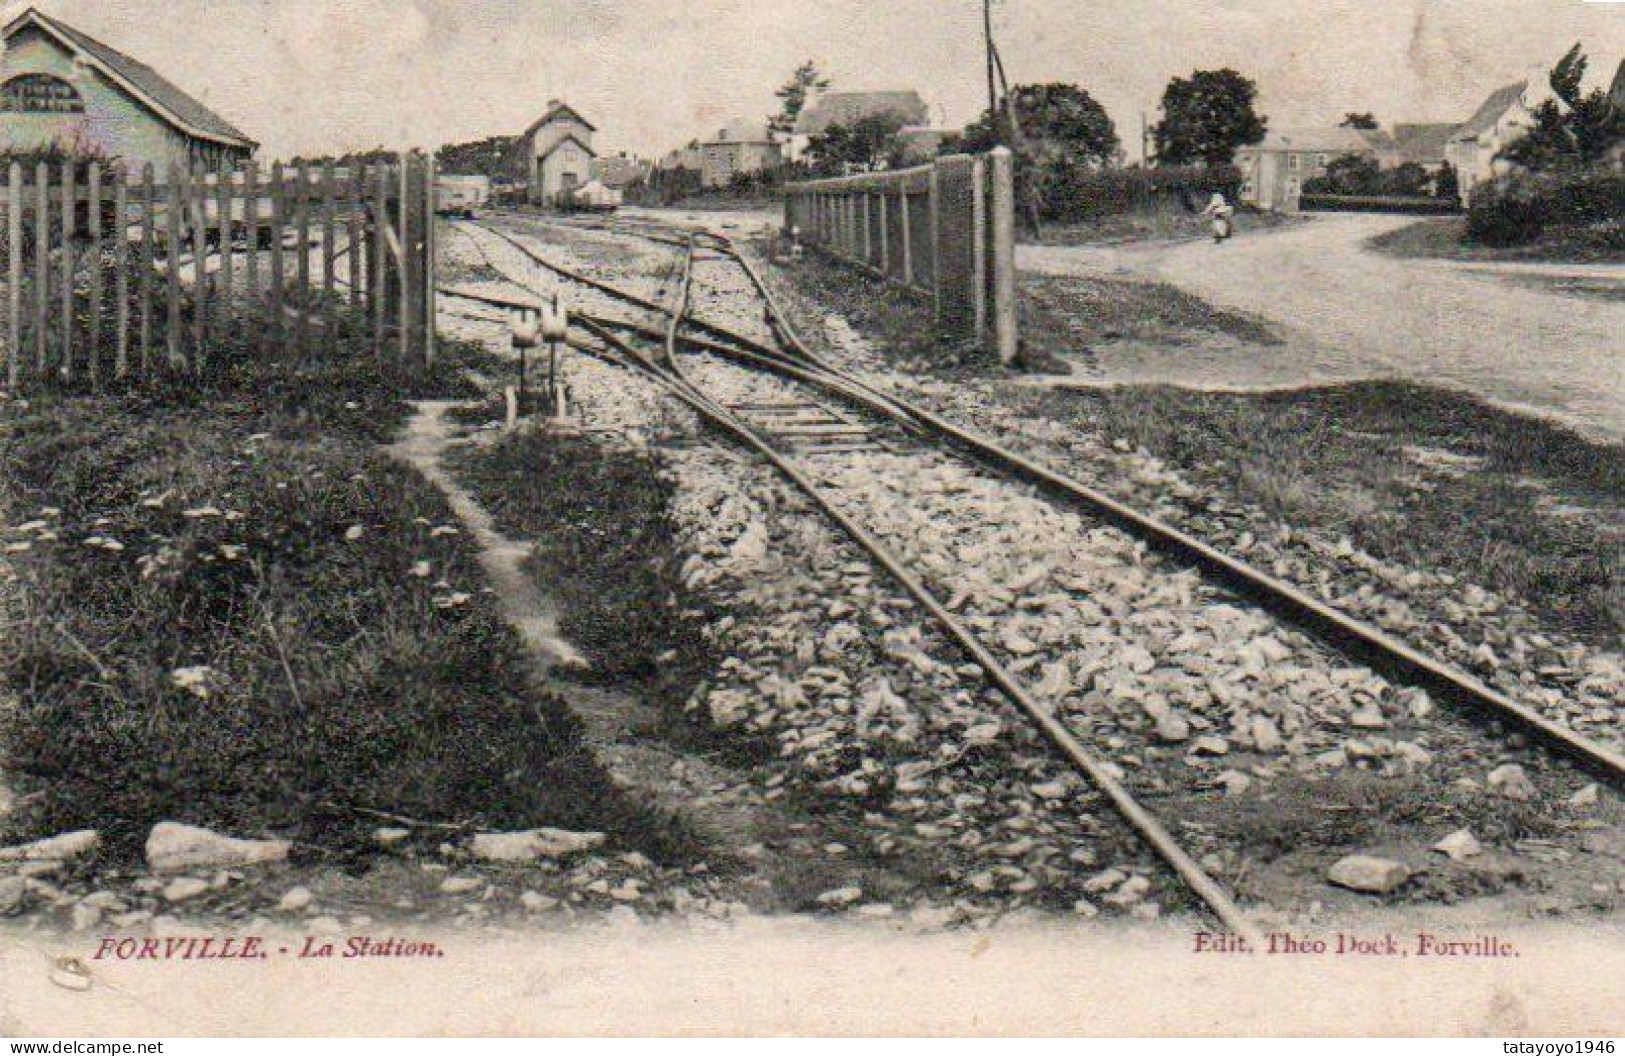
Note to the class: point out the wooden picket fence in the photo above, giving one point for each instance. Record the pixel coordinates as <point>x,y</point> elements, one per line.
<point>113,279</point>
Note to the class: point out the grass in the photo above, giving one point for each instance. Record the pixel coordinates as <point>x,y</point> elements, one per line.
<point>1446,240</point>
<point>1064,311</point>
<point>1073,310</point>
<point>277,639</point>
<point>1334,458</point>
<point>605,552</point>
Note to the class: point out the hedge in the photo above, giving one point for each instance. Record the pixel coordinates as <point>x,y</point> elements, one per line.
<point>1519,208</point>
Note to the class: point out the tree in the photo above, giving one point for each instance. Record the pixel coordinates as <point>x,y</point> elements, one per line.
<point>868,144</point>
<point>1365,121</point>
<point>1060,123</point>
<point>1446,184</point>
<point>793,95</point>
<point>1064,131</point>
<point>1206,118</point>
<point>485,157</point>
<point>1573,130</point>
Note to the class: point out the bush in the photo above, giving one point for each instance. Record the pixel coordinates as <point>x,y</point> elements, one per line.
<point>1519,208</point>
<point>1076,193</point>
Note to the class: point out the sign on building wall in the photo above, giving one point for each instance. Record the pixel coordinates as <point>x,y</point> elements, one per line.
<point>40,93</point>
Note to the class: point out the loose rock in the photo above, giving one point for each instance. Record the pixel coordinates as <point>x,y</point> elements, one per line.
<point>1374,876</point>
<point>1511,782</point>
<point>532,844</point>
<point>173,847</point>
<point>1459,845</point>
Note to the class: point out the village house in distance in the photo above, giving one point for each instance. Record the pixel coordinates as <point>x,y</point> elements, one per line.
<point>555,154</point>
<point>59,86</point>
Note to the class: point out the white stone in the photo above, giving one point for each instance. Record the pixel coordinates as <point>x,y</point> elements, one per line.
<point>532,844</point>
<point>295,900</point>
<point>1368,874</point>
<point>66,847</point>
<point>184,887</point>
<point>173,847</point>
<point>460,885</point>
<point>1586,797</point>
<point>1459,845</point>
<point>1511,782</point>
<point>12,892</point>
<point>840,896</point>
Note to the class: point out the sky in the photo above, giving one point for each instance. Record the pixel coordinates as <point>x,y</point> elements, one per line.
<point>318,76</point>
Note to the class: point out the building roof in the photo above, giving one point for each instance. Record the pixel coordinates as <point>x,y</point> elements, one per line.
<point>557,111</point>
<point>845,108</point>
<point>1328,140</point>
<point>139,80</point>
<point>743,131</point>
<point>1424,143</point>
<point>1489,112</point>
<point>569,137</point>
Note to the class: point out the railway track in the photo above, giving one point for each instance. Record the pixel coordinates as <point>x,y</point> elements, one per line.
<point>655,346</point>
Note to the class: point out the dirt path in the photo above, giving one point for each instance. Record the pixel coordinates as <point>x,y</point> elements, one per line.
<point>1458,324</point>
<point>422,447</point>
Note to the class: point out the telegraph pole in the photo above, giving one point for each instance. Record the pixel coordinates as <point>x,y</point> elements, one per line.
<point>987,42</point>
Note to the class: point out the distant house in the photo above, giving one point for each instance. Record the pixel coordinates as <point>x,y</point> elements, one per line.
<point>556,154</point>
<point>847,108</point>
<point>683,158</point>
<point>1502,118</point>
<point>60,86</point>
<point>740,148</point>
<point>920,143</point>
<point>1414,144</point>
<point>619,171</point>
<point>1274,171</point>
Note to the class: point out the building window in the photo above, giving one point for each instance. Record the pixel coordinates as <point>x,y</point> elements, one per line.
<point>40,93</point>
<point>1292,162</point>
<point>1320,160</point>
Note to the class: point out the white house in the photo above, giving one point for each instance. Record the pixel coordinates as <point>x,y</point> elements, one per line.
<point>1504,117</point>
<point>556,154</point>
<point>63,87</point>
<point>740,148</point>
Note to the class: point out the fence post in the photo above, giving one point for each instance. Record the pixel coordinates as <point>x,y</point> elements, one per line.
<point>14,287</point>
<point>934,200</point>
<point>149,261</point>
<point>1002,205</point>
<point>42,266</point>
<point>908,236</point>
<point>428,306</point>
<point>94,327</point>
<point>978,229</point>
<point>279,216</point>
<point>121,271</point>
<point>301,265</point>
<point>251,238</point>
<point>69,207</point>
<point>172,335</point>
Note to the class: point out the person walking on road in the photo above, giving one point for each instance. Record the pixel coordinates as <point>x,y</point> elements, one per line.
<point>1221,211</point>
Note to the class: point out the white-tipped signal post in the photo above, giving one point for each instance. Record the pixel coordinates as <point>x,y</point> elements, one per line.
<point>531,328</point>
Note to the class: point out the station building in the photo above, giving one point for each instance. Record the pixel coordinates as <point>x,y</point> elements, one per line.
<point>555,154</point>
<point>61,88</point>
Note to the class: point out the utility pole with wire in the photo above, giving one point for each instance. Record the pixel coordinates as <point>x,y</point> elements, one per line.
<point>987,39</point>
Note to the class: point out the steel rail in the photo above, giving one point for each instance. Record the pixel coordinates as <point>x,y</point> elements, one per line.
<point>1344,632</point>
<point>1099,773</point>
<point>1280,596</point>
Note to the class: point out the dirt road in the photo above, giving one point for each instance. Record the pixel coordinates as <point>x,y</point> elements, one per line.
<point>1469,326</point>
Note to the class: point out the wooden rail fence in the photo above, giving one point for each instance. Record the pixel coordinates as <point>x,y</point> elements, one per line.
<point>115,279</point>
<point>946,230</point>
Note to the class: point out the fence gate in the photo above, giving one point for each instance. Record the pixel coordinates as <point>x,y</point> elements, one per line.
<point>946,230</point>
<point>113,279</point>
